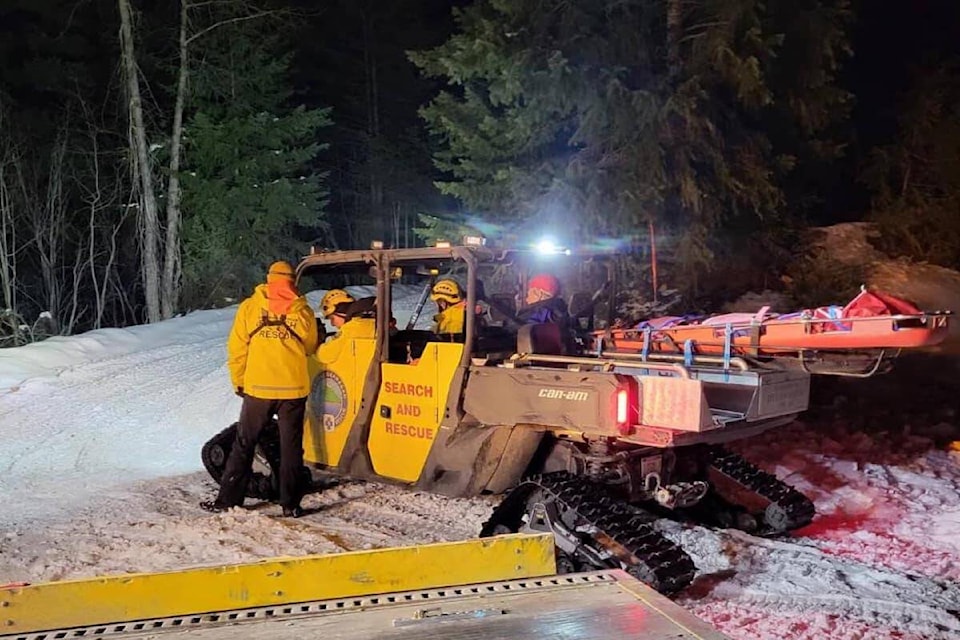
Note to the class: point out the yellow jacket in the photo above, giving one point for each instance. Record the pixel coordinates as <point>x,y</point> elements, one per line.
<point>329,351</point>
<point>451,320</point>
<point>269,359</point>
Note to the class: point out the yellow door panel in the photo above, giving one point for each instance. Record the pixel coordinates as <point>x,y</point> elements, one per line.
<point>334,402</point>
<point>409,409</point>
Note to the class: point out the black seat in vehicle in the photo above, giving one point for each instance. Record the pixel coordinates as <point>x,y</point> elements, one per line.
<point>500,305</point>
<point>581,310</point>
<point>545,339</point>
<point>409,344</point>
<point>362,308</point>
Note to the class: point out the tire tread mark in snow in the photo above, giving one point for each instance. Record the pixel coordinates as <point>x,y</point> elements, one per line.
<point>803,572</point>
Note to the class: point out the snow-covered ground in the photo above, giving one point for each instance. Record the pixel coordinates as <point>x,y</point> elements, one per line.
<point>100,473</point>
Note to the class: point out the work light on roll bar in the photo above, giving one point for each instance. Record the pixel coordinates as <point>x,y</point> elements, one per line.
<point>548,247</point>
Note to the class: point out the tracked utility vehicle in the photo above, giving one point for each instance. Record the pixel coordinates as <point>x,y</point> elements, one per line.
<point>588,444</point>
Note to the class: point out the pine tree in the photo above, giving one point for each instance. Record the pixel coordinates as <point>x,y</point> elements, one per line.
<point>434,228</point>
<point>915,179</point>
<point>602,116</point>
<point>250,194</point>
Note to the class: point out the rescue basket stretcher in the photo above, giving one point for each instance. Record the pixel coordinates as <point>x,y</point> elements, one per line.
<point>851,340</point>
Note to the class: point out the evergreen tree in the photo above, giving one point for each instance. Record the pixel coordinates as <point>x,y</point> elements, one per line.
<point>601,116</point>
<point>916,179</point>
<point>250,193</point>
<point>433,228</point>
<point>352,58</point>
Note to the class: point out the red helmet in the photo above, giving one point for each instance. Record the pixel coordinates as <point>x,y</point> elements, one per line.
<point>545,282</point>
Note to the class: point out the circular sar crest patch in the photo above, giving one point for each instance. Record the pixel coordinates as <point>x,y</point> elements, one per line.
<point>329,396</point>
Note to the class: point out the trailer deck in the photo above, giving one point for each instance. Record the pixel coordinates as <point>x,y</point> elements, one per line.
<point>529,601</point>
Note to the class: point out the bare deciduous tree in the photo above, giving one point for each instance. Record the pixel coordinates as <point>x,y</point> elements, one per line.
<point>43,194</point>
<point>8,237</point>
<point>105,217</point>
<point>171,266</point>
<point>143,173</point>
<point>162,288</point>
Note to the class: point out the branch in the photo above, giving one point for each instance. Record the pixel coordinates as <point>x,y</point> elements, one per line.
<point>197,5</point>
<point>222,23</point>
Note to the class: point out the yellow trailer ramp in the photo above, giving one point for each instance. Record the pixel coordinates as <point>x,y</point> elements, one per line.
<point>501,587</point>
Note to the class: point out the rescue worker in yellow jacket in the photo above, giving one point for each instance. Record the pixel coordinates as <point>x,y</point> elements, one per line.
<point>335,308</point>
<point>273,333</point>
<point>452,307</point>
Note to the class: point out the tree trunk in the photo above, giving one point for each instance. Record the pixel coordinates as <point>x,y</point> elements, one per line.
<point>381,225</point>
<point>147,215</point>
<point>653,262</point>
<point>674,35</point>
<point>171,266</point>
<point>49,223</point>
<point>8,245</point>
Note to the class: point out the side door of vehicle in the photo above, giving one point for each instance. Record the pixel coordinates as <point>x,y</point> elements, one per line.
<point>410,406</point>
<point>334,401</point>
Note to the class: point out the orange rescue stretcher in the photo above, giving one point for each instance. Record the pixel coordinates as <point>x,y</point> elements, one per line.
<point>838,339</point>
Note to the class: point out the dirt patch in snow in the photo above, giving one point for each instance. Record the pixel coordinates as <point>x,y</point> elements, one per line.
<point>929,286</point>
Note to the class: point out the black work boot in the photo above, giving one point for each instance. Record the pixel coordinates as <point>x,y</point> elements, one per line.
<point>213,506</point>
<point>292,512</point>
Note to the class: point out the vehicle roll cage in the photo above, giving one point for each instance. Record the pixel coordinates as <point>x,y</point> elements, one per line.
<point>380,263</point>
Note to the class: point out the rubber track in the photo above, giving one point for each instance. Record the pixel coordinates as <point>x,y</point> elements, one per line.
<point>260,486</point>
<point>798,508</point>
<point>663,565</point>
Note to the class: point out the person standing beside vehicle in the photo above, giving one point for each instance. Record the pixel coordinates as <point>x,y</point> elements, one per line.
<point>273,332</point>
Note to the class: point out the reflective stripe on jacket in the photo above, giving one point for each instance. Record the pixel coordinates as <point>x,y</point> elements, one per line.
<point>267,357</point>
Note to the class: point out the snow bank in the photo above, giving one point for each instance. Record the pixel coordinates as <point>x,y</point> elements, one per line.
<point>55,355</point>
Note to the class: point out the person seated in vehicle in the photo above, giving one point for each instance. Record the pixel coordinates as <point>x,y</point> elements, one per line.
<point>543,301</point>
<point>336,308</point>
<point>452,306</point>
<point>544,306</point>
<point>483,309</point>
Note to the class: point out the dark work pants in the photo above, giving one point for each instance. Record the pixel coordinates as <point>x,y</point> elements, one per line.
<point>254,416</point>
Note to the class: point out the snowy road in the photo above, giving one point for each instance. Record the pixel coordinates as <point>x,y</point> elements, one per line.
<point>101,474</point>
<point>134,416</point>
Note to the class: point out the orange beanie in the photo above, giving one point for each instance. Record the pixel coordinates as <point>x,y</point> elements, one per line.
<point>280,270</point>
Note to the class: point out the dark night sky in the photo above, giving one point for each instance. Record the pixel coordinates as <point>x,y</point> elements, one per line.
<point>891,41</point>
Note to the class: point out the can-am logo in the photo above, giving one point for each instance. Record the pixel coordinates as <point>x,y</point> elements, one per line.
<point>560,394</point>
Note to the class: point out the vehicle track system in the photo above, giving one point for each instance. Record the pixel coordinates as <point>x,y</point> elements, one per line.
<point>262,486</point>
<point>593,529</point>
<point>775,506</point>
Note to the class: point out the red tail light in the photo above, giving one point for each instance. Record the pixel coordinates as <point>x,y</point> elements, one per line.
<point>626,405</point>
<point>623,402</point>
